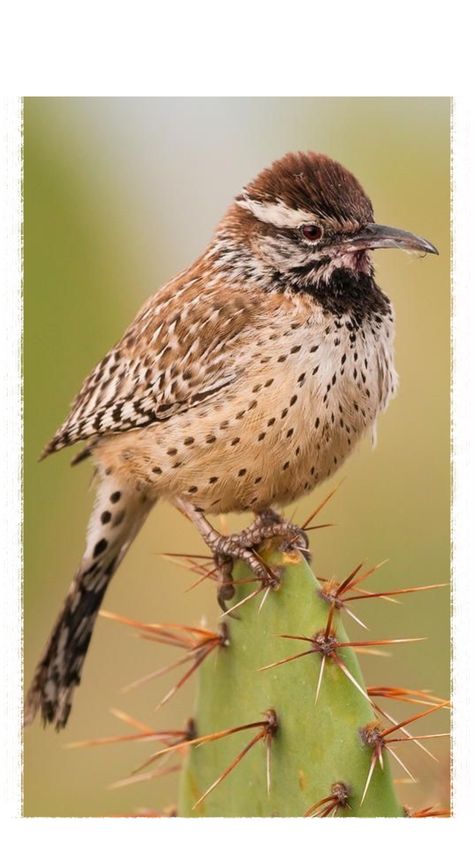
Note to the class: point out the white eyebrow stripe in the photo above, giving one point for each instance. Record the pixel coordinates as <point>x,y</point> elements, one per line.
<point>276,213</point>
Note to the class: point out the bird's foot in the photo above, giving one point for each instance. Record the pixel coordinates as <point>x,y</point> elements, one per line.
<point>241,546</point>
<point>244,545</point>
<point>269,524</point>
<point>230,548</point>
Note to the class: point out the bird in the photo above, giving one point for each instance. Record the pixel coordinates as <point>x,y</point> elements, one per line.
<point>241,384</point>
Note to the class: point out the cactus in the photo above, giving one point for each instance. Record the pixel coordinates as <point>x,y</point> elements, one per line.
<point>283,725</point>
<point>315,744</point>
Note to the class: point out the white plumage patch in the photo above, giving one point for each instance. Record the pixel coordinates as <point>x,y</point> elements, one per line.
<point>276,213</point>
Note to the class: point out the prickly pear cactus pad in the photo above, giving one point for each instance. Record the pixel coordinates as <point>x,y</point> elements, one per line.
<point>303,752</point>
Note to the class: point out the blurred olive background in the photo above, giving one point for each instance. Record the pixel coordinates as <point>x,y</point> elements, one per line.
<point>120,194</point>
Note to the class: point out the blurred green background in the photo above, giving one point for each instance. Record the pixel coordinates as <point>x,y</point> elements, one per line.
<point>119,195</point>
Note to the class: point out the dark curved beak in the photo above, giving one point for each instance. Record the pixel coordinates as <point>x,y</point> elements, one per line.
<point>373,236</point>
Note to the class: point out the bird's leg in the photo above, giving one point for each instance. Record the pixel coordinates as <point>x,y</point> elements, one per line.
<point>228,547</point>
<point>269,524</point>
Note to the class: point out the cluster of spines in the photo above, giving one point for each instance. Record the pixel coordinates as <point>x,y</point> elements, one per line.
<point>199,643</point>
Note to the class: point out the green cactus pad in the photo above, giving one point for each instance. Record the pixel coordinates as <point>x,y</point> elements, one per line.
<point>315,746</point>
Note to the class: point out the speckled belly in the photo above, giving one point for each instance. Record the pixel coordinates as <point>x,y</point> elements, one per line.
<point>288,431</point>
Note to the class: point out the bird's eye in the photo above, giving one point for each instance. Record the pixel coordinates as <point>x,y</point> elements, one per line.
<point>313,233</point>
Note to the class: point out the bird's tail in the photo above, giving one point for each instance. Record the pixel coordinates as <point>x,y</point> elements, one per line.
<point>118,514</point>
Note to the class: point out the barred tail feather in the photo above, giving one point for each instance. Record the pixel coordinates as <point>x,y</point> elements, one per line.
<point>117,517</point>
<point>59,671</point>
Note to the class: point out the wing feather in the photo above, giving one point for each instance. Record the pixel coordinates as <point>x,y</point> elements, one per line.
<point>182,348</point>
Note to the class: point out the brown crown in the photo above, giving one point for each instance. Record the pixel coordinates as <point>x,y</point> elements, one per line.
<point>313,182</point>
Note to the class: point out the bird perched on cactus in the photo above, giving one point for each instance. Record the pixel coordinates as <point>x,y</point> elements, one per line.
<point>241,384</point>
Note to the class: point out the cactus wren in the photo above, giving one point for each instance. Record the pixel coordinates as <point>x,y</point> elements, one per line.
<point>242,383</point>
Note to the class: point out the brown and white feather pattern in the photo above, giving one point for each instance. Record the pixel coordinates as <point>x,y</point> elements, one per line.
<point>293,391</point>
<point>118,514</point>
<point>183,347</point>
<point>208,378</point>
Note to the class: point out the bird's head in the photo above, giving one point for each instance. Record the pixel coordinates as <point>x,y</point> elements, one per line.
<point>307,216</point>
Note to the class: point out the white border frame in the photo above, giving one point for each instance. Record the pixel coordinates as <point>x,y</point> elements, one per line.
<point>409,49</point>
<point>11,419</point>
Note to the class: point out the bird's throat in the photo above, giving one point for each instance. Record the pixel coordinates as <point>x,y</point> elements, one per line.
<point>338,292</point>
